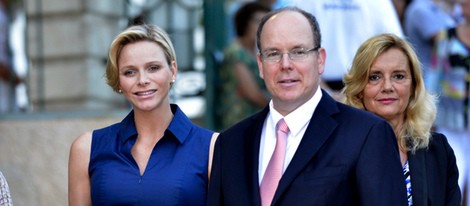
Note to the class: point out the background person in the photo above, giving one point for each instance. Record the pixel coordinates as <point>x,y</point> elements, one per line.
<point>241,92</point>
<point>452,63</point>
<point>155,156</point>
<point>452,53</point>
<point>423,19</point>
<point>333,154</point>
<point>8,77</point>
<point>386,79</point>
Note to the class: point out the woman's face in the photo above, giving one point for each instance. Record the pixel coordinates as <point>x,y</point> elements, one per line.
<point>389,86</point>
<point>144,75</point>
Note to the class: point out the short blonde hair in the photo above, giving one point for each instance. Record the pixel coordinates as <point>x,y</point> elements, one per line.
<point>137,33</point>
<point>421,110</point>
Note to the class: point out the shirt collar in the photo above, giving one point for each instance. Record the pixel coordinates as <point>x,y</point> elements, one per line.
<point>127,128</point>
<point>300,117</point>
<point>180,126</point>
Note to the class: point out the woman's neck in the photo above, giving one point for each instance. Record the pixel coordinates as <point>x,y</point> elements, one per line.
<point>397,126</point>
<point>152,124</point>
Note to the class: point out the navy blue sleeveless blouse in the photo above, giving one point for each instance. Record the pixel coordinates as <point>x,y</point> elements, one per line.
<point>176,173</point>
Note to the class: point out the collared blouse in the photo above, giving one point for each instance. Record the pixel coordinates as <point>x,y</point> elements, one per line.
<point>176,173</point>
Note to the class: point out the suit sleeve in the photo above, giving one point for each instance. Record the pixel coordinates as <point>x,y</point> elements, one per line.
<point>214,195</point>
<point>379,175</point>
<point>453,195</point>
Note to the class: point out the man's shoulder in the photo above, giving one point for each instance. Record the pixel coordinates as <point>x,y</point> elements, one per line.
<point>246,123</point>
<point>344,113</point>
<point>248,127</point>
<point>358,114</point>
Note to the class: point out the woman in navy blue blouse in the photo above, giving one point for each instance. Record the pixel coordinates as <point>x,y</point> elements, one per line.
<point>155,155</point>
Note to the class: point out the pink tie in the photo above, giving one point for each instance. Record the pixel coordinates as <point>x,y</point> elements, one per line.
<point>274,170</point>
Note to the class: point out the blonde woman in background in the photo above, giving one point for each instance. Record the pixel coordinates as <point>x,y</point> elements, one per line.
<point>386,79</point>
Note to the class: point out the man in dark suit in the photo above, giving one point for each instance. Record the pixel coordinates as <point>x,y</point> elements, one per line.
<point>333,155</point>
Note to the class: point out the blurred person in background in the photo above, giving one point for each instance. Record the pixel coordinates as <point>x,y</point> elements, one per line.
<point>232,6</point>
<point>386,79</point>
<point>155,155</point>
<point>8,77</point>
<point>400,7</point>
<point>452,63</point>
<point>422,22</point>
<point>241,91</point>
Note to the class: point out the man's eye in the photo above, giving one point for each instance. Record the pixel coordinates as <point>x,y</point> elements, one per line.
<point>298,52</point>
<point>272,54</point>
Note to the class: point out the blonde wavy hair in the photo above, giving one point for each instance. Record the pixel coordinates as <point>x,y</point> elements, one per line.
<point>137,33</point>
<point>421,110</point>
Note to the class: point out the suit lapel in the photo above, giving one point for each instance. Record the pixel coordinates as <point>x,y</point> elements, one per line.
<point>252,150</point>
<point>318,130</point>
<point>418,177</point>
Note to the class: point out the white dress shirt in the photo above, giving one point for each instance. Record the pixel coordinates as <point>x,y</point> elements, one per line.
<point>297,121</point>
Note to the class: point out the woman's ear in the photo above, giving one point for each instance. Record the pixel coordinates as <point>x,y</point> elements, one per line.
<point>174,69</point>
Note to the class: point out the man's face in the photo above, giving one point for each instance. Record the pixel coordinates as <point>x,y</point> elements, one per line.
<point>291,81</point>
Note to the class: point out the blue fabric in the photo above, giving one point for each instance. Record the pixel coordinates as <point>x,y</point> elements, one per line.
<point>406,172</point>
<point>176,173</point>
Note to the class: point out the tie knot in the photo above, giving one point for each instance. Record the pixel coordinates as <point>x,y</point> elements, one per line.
<point>282,126</point>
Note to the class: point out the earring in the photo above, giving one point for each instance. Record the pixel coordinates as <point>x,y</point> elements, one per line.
<point>173,81</point>
<point>119,91</point>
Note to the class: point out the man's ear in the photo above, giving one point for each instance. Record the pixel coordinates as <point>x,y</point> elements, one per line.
<point>260,65</point>
<point>321,60</point>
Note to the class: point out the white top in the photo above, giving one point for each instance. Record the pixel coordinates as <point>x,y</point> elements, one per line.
<point>297,121</point>
<point>5,197</point>
<point>345,25</point>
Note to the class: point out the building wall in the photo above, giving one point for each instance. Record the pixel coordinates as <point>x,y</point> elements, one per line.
<point>67,45</point>
<point>34,154</point>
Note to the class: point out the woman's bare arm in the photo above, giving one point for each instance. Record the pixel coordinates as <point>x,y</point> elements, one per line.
<point>79,180</point>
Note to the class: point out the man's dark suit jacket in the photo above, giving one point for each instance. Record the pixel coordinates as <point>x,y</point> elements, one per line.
<point>434,174</point>
<point>346,157</point>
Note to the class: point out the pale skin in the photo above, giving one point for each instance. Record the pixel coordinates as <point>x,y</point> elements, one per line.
<point>291,83</point>
<point>145,79</point>
<point>389,90</point>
